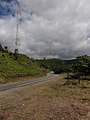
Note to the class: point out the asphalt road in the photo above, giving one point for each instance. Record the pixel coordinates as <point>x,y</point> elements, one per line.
<point>26,83</point>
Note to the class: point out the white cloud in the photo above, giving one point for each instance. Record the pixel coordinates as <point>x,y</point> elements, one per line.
<point>61,26</point>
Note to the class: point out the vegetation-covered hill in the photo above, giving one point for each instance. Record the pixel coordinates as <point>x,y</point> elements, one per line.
<point>10,67</point>
<point>52,64</point>
<point>79,67</point>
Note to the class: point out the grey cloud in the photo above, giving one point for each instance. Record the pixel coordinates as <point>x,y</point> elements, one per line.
<point>62,26</point>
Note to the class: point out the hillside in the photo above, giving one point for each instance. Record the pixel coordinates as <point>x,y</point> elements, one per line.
<point>51,63</point>
<point>10,67</point>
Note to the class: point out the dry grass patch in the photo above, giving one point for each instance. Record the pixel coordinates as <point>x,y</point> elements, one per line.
<point>53,100</point>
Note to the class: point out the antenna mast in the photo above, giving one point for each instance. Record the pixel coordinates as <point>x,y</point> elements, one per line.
<point>17,36</point>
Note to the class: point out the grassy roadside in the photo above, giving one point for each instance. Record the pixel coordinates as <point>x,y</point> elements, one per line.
<point>12,69</point>
<point>53,100</point>
<point>20,79</point>
<point>71,90</point>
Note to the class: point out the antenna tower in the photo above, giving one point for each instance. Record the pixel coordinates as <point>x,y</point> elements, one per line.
<point>17,41</point>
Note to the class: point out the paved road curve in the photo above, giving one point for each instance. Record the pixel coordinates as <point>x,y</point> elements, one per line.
<point>28,82</point>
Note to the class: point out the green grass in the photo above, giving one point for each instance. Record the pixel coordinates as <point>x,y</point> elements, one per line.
<point>11,68</point>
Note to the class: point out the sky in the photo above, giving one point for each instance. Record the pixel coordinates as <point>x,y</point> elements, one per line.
<point>47,28</point>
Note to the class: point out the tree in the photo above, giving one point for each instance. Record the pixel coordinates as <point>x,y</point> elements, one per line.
<point>82,66</point>
<point>6,49</point>
<point>16,54</point>
<point>1,48</point>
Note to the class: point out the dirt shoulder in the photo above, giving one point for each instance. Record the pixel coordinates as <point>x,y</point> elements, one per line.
<point>52,100</point>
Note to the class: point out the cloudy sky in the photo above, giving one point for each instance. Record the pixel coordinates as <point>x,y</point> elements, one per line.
<point>57,27</point>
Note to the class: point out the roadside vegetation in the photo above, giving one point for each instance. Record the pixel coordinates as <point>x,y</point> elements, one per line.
<point>14,66</point>
<point>76,69</point>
